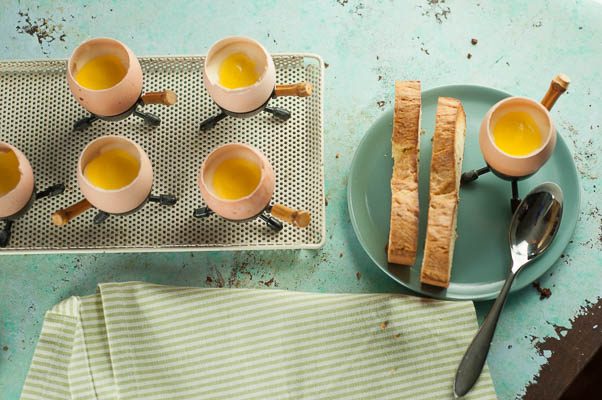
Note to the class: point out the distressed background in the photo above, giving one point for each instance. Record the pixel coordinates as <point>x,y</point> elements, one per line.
<point>366,45</point>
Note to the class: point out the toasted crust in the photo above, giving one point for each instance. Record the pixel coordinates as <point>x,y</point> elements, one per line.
<point>405,144</point>
<point>436,262</point>
<point>446,167</point>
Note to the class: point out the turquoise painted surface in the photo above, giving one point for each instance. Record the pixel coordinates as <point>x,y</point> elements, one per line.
<point>367,45</point>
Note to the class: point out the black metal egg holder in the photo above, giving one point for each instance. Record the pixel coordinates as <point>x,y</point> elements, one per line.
<point>558,86</point>
<point>271,222</point>
<point>271,214</point>
<point>161,199</point>
<point>166,97</point>
<point>9,221</point>
<point>474,174</point>
<point>63,216</point>
<point>301,89</point>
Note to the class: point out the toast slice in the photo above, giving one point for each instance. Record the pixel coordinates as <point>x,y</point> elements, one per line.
<point>405,144</point>
<point>444,186</point>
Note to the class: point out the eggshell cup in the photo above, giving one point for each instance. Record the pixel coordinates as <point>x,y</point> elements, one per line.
<point>246,207</point>
<point>122,200</point>
<point>17,199</point>
<point>246,99</point>
<point>117,99</point>
<point>517,167</point>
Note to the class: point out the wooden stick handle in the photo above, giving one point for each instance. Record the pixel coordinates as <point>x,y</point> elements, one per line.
<point>301,89</point>
<point>166,97</point>
<point>293,217</point>
<point>558,86</point>
<point>62,217</point>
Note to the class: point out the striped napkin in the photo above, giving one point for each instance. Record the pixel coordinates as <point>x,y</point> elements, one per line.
<point>137,340</point>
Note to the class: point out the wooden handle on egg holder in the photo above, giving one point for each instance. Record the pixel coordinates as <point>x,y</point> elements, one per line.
<point>301,89</point>
<point>294,217</point>
<point>166,97</point>
<point>62,217</point>
<point>558,86</point>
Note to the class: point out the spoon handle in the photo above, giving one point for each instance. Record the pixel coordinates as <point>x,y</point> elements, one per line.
<point>473,361</point>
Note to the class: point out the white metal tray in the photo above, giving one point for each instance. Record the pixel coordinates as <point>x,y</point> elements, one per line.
<point>37,116</point>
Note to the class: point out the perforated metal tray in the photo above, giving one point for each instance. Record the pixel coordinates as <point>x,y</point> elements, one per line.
<point>37,116</point>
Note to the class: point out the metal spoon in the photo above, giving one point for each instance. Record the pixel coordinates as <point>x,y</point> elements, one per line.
<point>532,228</point>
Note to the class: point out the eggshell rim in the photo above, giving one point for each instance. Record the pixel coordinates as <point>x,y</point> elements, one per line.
<point>127,50</point>
<point>201,178</point>
<point>533,102</point>
<point>31,184</point>
<point>243,88</point>
<point>83,175</point>
<point>16,151</point>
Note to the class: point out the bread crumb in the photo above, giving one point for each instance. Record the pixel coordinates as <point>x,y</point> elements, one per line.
<point>384,324</point>
<point>396,336</point>
<point>544,293</point>
<point>474,41</point>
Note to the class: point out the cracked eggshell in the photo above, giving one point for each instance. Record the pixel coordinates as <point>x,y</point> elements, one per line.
<point>121,200</point>
<point>245,207</point>
<point>15,200</point>
<point>517,166</point>
<point>245,99</point>
<point>116,99</point>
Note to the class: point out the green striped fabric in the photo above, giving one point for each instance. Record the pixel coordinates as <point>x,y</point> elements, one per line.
<point>137,340</point>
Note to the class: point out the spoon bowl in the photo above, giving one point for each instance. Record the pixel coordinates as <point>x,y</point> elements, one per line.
<point>532,229</point>
<point>534,224</point>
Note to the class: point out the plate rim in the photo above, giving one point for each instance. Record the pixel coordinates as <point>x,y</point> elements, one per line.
<point>359,236</point>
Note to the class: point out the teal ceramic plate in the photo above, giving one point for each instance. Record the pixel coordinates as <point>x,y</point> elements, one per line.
<point>481,258</point>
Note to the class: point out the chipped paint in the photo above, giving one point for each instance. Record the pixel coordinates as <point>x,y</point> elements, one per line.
<point>44,29</point>
<point>567,352</point>
<point>439,9</point>
<point>365,54</point>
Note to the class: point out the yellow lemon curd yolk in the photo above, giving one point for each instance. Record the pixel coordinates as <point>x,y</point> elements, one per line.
<point>236,71</point>
<point>235,178</point>
<point>517,134</point>
<point>112,170</point>
<point>101,72</point>
<point>9,171</point>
